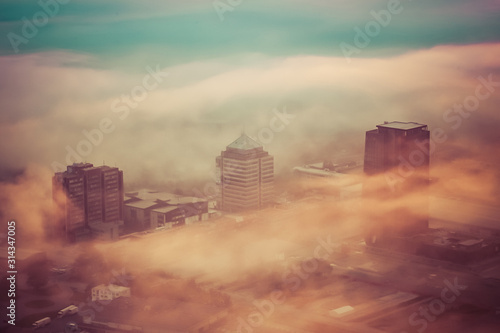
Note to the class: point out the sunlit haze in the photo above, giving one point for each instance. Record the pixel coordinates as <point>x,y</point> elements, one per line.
<point>250,166</point>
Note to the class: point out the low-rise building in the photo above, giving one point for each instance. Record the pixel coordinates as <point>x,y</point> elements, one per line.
<point>138,214</point>
<point>148,209</point>
<point>109,292</point>
<point>169,216</point>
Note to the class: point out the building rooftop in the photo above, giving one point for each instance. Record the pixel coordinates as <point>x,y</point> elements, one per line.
<point>401,125</point>
<point>244,142</point>
<point>112,287</point>
<point>317,172</point>
<point>142,204</point>
<point>81,165</point>
<point>78,168</point>
<point>164,210</point>
<point>151,196</point>
<point>159,197</point>
<point>185,200</point>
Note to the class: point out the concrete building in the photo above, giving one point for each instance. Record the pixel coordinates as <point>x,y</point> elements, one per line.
<point>169,216</point>
<point>397,161</point>
<point>90,199</point>
<point>246,176</point>
<point>395,143</point>
<point>109,292</point>
<point>148,209</point>
<point>138,214</point>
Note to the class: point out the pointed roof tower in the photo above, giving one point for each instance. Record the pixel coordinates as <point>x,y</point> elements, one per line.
<point>246,174</point>
<point>244,142</point>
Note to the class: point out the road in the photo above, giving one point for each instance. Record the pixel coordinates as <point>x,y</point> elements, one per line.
<point>427,278</point>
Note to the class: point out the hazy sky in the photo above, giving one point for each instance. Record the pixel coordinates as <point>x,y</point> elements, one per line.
<point>159,88</point>
<point>79,67</point>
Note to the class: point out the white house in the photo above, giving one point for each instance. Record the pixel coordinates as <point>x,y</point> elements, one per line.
<point>109,292</point>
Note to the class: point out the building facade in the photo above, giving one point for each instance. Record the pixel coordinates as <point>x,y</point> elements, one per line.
<point>109,292</point>
<point>246,176</point>
<point>397,163</point>
<point>90,198</point>
<point>149,209</point>
<point>394,144</point>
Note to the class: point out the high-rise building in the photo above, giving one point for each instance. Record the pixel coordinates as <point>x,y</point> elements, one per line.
<point>246,175</point>
<point>90,199</point>
<point>397,156</point>
<point>394,144</point>
<point>112,192</point>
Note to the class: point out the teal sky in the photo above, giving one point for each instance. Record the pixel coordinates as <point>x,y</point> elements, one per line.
<point>192,30</point>
<point>230,74</point>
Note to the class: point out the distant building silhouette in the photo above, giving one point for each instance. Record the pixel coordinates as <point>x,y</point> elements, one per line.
<point>395,143</point>
<point>340,179</point>
<point>246,175</point>
<point>397,205</point>
<point>397,155</point>
<point>91,199</point>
